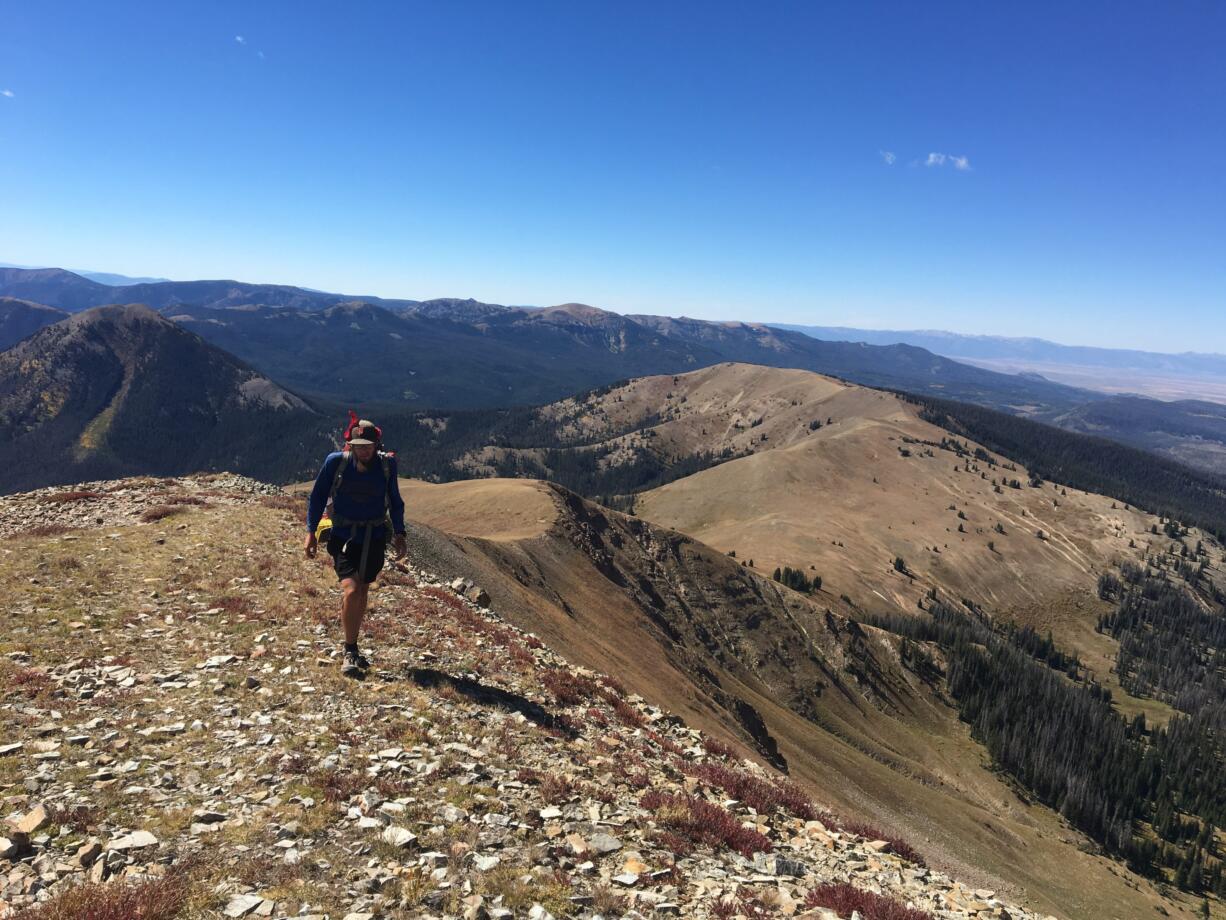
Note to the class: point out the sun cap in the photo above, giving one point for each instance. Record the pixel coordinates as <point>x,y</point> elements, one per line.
<point>364,432</point>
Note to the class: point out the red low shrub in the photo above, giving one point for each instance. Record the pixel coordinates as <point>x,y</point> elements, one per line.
<point>666,744</point>
<point>339,786</point>
<point>284,503</point>
<point>30,682</point>
<point>717,748</point>
<point>702,822</point>
<point>569,689</point>
<point>76,496</point>
<point>843,899</point>
<point>762,795</point>
<point>80,818</point>
<point>187,500</point>
<point>627,714</point>
<point>557,788</point>
<point>614,684</point>
<point>157,899</point>
<point>744,905</point>
<point>160,512</point>
<point>678,845</point>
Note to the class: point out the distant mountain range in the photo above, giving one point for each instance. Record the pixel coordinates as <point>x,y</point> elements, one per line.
<point>1190,375</point>
<point>992,347</point>
<point>101,277</point>
<point>463,353</point>
<point>56,287</point>
<point>401,355</point>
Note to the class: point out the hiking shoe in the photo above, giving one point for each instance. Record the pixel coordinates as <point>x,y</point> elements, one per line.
<point>353,664</point>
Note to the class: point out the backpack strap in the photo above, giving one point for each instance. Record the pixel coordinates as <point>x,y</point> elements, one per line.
<point>386,459</point>
<point>336,477</point>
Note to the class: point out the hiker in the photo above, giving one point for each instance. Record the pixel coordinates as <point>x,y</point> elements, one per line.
<point>361,483</point>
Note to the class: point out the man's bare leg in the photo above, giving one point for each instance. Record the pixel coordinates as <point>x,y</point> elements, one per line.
<point>354,595</point>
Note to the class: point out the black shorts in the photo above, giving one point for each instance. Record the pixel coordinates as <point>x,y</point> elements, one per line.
<point>346,560</point>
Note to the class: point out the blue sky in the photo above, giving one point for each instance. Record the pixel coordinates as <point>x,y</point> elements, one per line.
<point>769,162</point>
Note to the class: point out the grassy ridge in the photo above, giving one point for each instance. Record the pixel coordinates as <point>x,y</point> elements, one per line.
<point>1090,463</point>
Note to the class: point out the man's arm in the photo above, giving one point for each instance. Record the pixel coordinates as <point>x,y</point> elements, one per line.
<point>320,493</point>
<point>395,507</point>
<point>395,504</point>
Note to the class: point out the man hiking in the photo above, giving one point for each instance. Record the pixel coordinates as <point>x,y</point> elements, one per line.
<point>366,505</point>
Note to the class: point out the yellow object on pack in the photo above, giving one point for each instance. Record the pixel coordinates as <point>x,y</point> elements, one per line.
<point>324,529</point>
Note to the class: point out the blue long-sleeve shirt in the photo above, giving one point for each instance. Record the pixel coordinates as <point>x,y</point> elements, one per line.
<point>360,497</point>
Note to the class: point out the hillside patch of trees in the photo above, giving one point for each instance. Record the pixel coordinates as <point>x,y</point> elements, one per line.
<point>1062,741</point>
<point>797,580</point>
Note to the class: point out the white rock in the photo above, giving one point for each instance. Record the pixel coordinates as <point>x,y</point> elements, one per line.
<point>399,837</point>
<point>604,843</point>
<point>33,820</point>
<point>133,841</point>
<point>242,905</point>
<point>217,661</point>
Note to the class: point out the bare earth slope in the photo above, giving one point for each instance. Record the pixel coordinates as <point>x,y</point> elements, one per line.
<point>798,686</point>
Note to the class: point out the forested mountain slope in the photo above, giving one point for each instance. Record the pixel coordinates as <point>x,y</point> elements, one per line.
<point>122,390</point>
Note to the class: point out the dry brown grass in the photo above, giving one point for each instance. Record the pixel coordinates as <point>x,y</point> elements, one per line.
<point>44,530</point>
<point>550,892</point>
<point>284,503</point>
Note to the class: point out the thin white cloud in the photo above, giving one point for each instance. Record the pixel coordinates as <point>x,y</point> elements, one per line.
<point>260,55</point>
<point>8,93</point>
<point>888,156</point>
<point>240,39</point>
<point>941,159</point>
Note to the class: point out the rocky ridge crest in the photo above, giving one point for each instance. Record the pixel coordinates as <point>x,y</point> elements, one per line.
<point>174,717</point>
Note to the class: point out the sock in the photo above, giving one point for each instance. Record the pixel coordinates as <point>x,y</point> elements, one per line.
<point>351,647</point>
